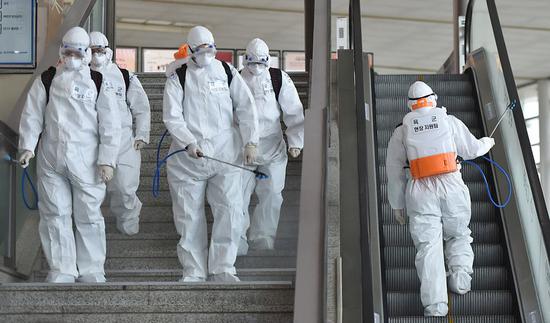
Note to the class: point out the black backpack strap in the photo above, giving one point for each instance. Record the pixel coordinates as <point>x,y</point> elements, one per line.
<point>228,72</point>
<point>181,72</point>
<point>97,77</point>
<point>126,77</point>
<point>47,78</point>
<point>276,80</point>
<point>399,125</point>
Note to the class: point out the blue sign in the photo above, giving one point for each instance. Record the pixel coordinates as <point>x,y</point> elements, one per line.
<point>17,33</point>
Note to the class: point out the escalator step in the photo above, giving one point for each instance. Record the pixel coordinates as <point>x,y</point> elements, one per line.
<point>383,136</point>
<point>458,88</point>
<point>483,278</point>
<point>388,121</point>
<point>478,191</point>
<point>482,211</point>
<point>398,105</point>
<point>457,319</point>
<point>485,255</point>
<point>482,232</point>
<point>428,78</point>
<point>473,303</point>
<point>469,173</point>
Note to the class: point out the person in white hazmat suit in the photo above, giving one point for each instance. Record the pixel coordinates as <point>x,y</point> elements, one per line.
<point>275,94</point>
<point>436,200</point>
<point>132,103</point>
<point>79,128</point>
<point>205,116</point>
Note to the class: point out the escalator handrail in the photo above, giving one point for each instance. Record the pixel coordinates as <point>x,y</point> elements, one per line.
<point>519,120</point>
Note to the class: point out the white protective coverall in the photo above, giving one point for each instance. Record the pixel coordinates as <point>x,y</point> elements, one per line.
<point>80,130</point>
<point>132,104</point>
<point>438,207</point>
<point>208,114</point>
<point>272,155</point>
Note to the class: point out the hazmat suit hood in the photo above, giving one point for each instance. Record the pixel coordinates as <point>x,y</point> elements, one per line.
<point>421,96</point>
<point>76,40</point>
<point>99,40</point>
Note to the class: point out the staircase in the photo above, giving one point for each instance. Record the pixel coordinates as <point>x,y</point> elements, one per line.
<point>143,270</point>
<point>492,299</point>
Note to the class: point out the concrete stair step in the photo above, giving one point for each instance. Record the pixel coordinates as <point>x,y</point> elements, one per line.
<point>167,259</point>
<point>130,317</point>
<point>219,302</point>
<point>292,182</point>
<point>245,274</point>
<point>160,214</point>
<point>148,263</point>
<point>149,153</point>
<point>285,230</point>
<point>291,198</point>
<point>149,167</point>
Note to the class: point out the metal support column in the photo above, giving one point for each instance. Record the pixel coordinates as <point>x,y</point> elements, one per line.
<point>459,10</point>
<point>543,89</point>
<point>309,305</point>
<point>309,10</point>
<point>110,24</point>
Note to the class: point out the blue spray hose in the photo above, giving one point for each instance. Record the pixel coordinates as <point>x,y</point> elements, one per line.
<point>24,193</point>
<point>28,179</point>
<point>509,181</point>
<point>160,163</point>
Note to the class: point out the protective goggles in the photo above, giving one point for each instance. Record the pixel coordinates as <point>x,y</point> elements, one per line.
<point>98,50</point>
<point>73,51</point>
<point>204,48</point>
<point>423,101</point>
<point>250,59</point>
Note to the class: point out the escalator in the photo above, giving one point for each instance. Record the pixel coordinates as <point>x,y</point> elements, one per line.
<point>511,245</point>
<point>492,299</point>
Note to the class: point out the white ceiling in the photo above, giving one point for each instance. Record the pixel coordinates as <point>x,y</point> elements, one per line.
<point>406,36</point>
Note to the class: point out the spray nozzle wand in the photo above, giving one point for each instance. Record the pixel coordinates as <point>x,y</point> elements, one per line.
<point>510,107</point>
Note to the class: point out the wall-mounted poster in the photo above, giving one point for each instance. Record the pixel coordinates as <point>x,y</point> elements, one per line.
<point>294,61</point>
<point>17,33</point>
<point>127,58</point>
<point>156,60</point>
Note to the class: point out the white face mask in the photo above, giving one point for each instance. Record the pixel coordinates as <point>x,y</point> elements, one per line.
<point>72,63</point>
<point>256,69</point>
<point>204,59</point>
<point>99,59</point>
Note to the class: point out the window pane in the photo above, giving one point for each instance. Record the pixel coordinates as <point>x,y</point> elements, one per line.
<point>156,60</point>
<point>127,58</point>
<point>530,107</point>
<point>536,153</point>
<point>533,130</point>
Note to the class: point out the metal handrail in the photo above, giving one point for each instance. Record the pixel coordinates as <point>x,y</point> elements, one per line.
<point>519,120</point>
<point>366,265</point>
<point>8,145</point>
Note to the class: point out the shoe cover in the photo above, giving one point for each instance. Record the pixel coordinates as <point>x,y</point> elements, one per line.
<point>440,309</point>
<point>262,244</point>
<point>225,278</point>
<point>191,279</point>
<point>243,247</point>
<point>129,227</point>
<point>92,278</point>
<point>59,278</point>
<point>459,282</point>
